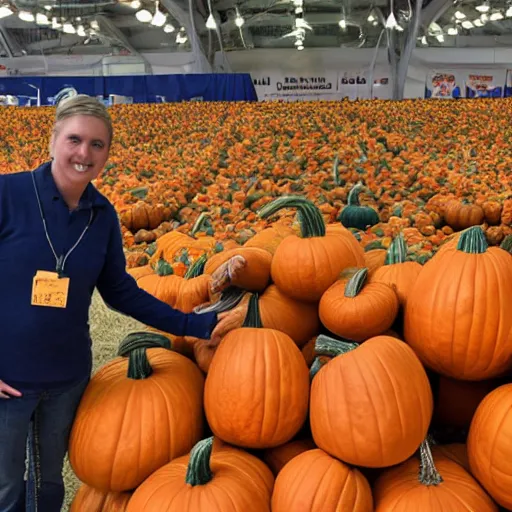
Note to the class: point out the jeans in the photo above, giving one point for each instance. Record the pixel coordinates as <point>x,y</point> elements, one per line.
<point>38,423</point>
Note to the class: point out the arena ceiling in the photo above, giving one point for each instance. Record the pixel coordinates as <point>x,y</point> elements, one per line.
<point>34,27</point>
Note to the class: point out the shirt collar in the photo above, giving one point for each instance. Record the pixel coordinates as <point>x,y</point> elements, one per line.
<point>91,198</point>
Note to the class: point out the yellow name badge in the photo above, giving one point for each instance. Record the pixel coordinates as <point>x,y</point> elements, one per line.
<point>49,290</point>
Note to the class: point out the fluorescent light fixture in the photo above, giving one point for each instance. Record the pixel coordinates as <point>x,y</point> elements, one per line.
<point>495,16</point>
<point>42,19</point>
<point>144,16</point>
<point>5,11</point>
<point>67,28</point>
<point>484,7</point>
<point>159,18</point>
<point>26,16</point>
<point>211,24</point>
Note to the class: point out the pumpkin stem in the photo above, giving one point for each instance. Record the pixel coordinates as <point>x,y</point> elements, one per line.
<point>199,471</point>
<point>318,363</point>
<point>198,225</point>
<point>309,216</point>
<point>356,283</point>
<point>473,241</point>
<point>142,339</point>
<point>162,268</point>
<point>335,170</point>
<point>139,366</point>
<point>397,251</point>
<point>229,299</point>
<point>197,268</point>
<point>506,245</point>
<point>353,195</point>
<point>428,474</point>
<point>253,318</point>
<point>327,346</point>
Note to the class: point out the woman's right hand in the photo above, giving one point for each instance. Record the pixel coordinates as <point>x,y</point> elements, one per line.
<point>7,391</point>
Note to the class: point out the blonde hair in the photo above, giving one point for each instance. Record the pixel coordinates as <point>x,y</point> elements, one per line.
<point>84,105</point>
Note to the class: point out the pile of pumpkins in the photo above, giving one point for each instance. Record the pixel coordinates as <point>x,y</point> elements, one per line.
<point>336,373</point>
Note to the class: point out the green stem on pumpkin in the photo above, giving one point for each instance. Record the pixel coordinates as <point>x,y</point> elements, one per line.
<point>473,241</point>
<point>197,268</point>
<point>335,170</point>
<point>506,245</point>
<point>199,471</point>
<point>229,299</point>
<point>162,268</point>
<point>327,346</point>
<point>309,216</point>
<point>397,251</point>
<point>428,474</point>
<point>253,318</point>
<point>353,195</point>
<point>356,283</point>
<point>139,367</point>
<point>198,224</point>
<point>317,364</point>
<point>142,339</point>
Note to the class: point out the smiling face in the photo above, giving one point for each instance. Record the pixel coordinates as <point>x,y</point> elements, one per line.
<point>79,146</point>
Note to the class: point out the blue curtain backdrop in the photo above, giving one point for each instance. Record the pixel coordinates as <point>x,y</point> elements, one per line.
<point>142,88</point>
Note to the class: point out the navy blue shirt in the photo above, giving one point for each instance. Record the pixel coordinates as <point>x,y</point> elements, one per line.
<point>44,347</point>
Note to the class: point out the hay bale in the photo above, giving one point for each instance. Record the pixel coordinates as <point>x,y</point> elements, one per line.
<point>108,328</point>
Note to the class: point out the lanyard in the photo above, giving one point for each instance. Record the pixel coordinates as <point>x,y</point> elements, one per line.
<point>59,260</point>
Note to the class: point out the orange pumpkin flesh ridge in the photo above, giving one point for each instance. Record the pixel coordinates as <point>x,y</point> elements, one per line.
<point>227,480</point>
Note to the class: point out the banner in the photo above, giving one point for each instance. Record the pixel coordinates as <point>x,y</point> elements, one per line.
<point>485,84</point>
<point>329,85</point>
<point>442,85</point>
<point>356,84</point>
<point>277,85</point>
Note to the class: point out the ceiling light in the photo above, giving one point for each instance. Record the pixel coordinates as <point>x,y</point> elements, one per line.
<point>239,21</point>
<point>371,18</point>
<point>48,7</point>
<point>26,16</point>
<point>95,25</point>
<point>56,24</point>
<point>440,38</point>
<point>80,31</point>
<point>508,14</point>
<point>452,31</point>
<point>300,48</point>
<point>67,28</point>
<point>144,16</point>
<point>169,28</point>
<point>5,11</point>
<point>467,24</point>
<point>460,15</point>
<point>391,22</point>
<point>478,22</point>
<point>434,27</point>
<point>495,16</point>
<point>211,23</point>
<point>424,40</point>
<point>159,18</point>
<point>484,7</point>
<point>42,19</point>
<point>135,4</point>
<point>485,18</point>
<point>343,23</point>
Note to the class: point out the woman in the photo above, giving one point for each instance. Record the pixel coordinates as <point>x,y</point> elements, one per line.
<point>59,239</point>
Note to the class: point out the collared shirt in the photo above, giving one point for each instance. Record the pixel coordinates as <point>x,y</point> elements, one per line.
<point>45,346</point>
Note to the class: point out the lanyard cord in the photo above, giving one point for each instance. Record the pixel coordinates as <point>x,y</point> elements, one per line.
<point>60,260</point>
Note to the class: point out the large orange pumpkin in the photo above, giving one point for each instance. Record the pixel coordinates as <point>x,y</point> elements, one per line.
<point>270,407</point>
<point>490,444</point>
<point>88,499</point>
<point>371,405</point>
<point>458,316</point>
<point>443,486</point>
<point>137,414</point>
<point>227,480</point>
<point>462,215</point>
<point>277,458</point>
<point>357,311</point>
<point>315,482</point>
<point>397,272</point>
<point>304,266</point>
